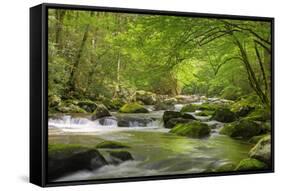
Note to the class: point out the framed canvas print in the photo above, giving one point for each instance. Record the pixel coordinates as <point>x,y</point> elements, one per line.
<point>127,94</point>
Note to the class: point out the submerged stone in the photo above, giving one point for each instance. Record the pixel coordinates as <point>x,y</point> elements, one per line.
<point>111,145</point>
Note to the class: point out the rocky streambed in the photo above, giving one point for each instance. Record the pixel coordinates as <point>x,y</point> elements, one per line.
<point>185,139</point>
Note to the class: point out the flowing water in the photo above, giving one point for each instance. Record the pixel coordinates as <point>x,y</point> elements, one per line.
<point>155,150</point>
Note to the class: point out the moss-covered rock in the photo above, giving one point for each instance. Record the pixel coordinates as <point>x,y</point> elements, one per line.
<point>111,145</point>
<point>262,150</point>
<point>250,164</point>
<point>133,108</point>
<point>228,167</point>
<point>224,115</point>
<point>256,139</point>
<point>204,113</point>
<point>100,111</point>
<point>120,156</point>
<point>242,129</point>
<point>70,108</point>
<point>194,129</point>
<point>88,105</point>
<point>163,106</point>
<point>175,114</point>
<point>174,121</point>
<point>147,98</point>
<point>210,106</point>
<point>66,158</point>
<point>259,115</point>
<point>188,108</point>
<point>113,104</point>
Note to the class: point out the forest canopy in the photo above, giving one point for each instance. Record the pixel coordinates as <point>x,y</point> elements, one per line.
<point>98,55</point>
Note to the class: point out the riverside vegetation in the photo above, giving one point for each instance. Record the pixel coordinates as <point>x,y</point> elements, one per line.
<point>141,95</point>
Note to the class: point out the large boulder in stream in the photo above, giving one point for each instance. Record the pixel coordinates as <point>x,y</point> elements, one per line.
<point>189,108</point>
<point>224,115</point>
<point>262,150</point>
<point>174,121</point>
<point>88,105</point>
<point>147,98</point>
<point>194,129</point>
<point>133,108</point>
<point>65,158</point>
<point>250,164</point>
<point>130,121</point>
<point>175,114</point>
<point>100,112</point>
<point>119,156</point>
<point>111,145</point>
<point>242,129</point>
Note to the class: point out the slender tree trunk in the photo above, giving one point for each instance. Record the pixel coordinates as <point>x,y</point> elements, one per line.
<point>73,73</point>
<point>59,27</point>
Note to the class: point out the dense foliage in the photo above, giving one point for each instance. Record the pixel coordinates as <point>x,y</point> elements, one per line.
<point>97,55</point>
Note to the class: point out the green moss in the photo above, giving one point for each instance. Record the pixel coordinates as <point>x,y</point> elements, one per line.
<point>188,108</point>
<point>111,145</point>
<point>226,168</point>
<point>224,115</point>
<point>255,139</point>
<point>204,113</point>
<point>241,129</point>
<point>194,129</point>
<point>64,148</point>
<point>262,150</point>
<point>259,115</point>
<point>250,164</point>
<point>133,108</point>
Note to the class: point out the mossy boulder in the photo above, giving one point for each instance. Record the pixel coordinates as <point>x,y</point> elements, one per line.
<point>67,158</point>
<point>209,106</point>
<point>100,112</point>
<point>113,104</point>
<point>250,164</point>
<point>262,150</point>
<point>194,129</point>
<point>130,121</point>
<point>147,98</point>
<point>118,156</point>
<point>256,139</point>
<point>133,108</point>
<point>259,115</point>
<point>175,114</point>
<point>163,106</point>
<point>88,105</point>
<point>242,129</point>
<point>204,113</point>
<point>174,121</point>
<point>188,108</point>
<point>224,115</point>
<point>228,167</point>
<point>70,108</point>
<point>111,145</point>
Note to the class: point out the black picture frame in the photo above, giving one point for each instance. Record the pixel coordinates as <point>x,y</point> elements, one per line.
<point>39,92</point>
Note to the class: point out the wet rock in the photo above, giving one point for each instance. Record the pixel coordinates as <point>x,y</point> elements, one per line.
<point>133,108</point>
<point>147,98</point>
<point>128,121</point>
<point>120,156</point>
<point>175,114</point>
<point>189,108</point>
<point>174,121</point>
<point>88,105</point>
<point>194,129</point>
<point>250,164</point>
<point>242,129</point>
<point>262,150</point>
<point>111,145</point>
<point>100,111</point>
<point>64,159</point>
<point>224,115</point>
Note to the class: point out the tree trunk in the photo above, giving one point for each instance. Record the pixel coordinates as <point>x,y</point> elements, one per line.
<point>58,27</point>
